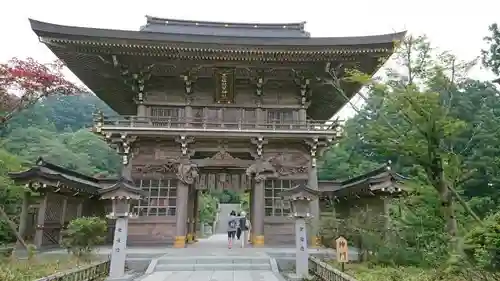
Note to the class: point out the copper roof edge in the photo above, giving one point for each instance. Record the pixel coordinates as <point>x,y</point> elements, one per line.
<point>49,29</point>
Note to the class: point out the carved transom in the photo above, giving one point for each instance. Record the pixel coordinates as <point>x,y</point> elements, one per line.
<point>289,163</point>
<point>222,155</point>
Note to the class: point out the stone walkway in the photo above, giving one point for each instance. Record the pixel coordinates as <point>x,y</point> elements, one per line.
<point>209,259</point>
<point>217,263</point>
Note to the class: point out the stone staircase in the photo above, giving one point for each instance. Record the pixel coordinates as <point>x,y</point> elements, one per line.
<point>211,263</point>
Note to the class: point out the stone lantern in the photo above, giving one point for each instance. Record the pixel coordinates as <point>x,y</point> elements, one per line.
<point>121,194</point>
<point>300,198</point>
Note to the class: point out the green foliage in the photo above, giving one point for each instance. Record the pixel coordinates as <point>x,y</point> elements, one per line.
<point>83,235</point>
<point>245,202</point>
<point>483,243</point>
<point>207,207</point>
<point>10,194</point>
<point>442,131</point>
<point>55,128</point>
<point>491,56</point>
<point>226,196</point>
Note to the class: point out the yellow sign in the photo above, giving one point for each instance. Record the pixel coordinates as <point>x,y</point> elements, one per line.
<point>342,250</point>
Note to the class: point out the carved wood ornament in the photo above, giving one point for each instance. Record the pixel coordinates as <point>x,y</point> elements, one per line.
<point>288,164</point>
<point>187,172</point>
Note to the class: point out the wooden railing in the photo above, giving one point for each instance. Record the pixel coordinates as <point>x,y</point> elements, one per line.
<point>202,124</point>
<point>325,272</point>
<point>94,272</point>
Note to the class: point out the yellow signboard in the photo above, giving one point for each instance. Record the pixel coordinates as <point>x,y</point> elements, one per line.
<point>342,250</point>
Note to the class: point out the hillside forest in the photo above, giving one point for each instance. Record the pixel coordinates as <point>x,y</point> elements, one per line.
<point>438,127</point>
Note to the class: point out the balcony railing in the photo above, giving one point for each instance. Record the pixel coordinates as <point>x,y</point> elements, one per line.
<point>177,123</point>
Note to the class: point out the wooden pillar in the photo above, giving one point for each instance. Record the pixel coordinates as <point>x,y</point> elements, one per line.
<point>252,213</point>
<point>23,222</point>
<point>79,209</point>
<point>181,214</point>
<point>196,215</point>
<point>314,207</point>
<point>302,116</point>
<point>141,110</point>
<point>259,115</point>
<point>63,218</point>
<point>188,114</point>
<point>190,210</point>
<point>40,221</point>
<point>259,213</point>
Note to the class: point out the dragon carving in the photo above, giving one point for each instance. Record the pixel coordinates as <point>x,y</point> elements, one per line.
<point>261,171</point>
<point>187,173</point>
<point>288,163</point>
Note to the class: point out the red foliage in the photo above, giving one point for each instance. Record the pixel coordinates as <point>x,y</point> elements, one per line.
<point>24,82</point>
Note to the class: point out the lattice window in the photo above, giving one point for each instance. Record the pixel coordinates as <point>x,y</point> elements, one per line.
<point>161,200</point>
<point>274,205</point>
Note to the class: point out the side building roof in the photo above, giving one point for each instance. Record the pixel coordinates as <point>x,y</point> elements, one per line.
<point>56,175</point>
<point>380,181</point>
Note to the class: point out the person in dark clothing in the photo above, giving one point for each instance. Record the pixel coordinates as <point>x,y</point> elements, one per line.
<point>238,230</point>
<point>232,227</point>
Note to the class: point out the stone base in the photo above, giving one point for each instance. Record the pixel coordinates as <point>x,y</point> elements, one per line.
<point>180,242</point>
<point>316,242</point>
<point>189,238</point>
<point>258,241</point>
<point>295,277</point>
<point>126,277</point>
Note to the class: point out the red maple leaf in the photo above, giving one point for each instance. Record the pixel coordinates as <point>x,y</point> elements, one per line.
<point>24,82</point>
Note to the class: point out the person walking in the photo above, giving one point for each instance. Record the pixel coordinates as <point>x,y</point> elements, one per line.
<point>243,226</point>
<point>238,229</point>
<point>232,226</point>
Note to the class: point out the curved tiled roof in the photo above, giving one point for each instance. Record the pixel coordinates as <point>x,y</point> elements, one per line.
<point>44,29</point>
<point>87,53</point>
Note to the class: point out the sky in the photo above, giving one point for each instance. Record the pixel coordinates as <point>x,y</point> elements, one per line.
<point>456,26</point>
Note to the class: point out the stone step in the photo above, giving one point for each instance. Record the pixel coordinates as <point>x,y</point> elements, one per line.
<point>213,267</point>
<point>214,260</point>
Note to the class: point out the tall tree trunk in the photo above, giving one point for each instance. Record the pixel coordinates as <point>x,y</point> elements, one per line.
<point>448,212</point>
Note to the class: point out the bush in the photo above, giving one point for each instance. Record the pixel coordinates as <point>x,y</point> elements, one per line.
<point>207,208</point>
<point>483,243</point>
<point>83,235</point>
<point>227,196</point>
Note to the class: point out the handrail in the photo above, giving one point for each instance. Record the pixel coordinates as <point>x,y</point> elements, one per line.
<point>326,272</point>
<point>181,122</point>
<point>92,272</point>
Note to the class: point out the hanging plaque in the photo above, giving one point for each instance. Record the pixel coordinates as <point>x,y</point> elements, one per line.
<point>224,85</point>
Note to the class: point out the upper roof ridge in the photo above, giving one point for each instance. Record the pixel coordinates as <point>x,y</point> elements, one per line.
<point>290,25</point>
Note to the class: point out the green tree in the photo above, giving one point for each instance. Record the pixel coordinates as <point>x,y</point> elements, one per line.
<point>207,207</point>
<point>83,235</point>
<point>491,56</point>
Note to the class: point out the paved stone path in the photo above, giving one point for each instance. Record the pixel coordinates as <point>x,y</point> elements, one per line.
<point>209,259</point>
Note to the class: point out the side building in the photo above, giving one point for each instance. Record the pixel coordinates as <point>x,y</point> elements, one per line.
<point>209,105</point>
